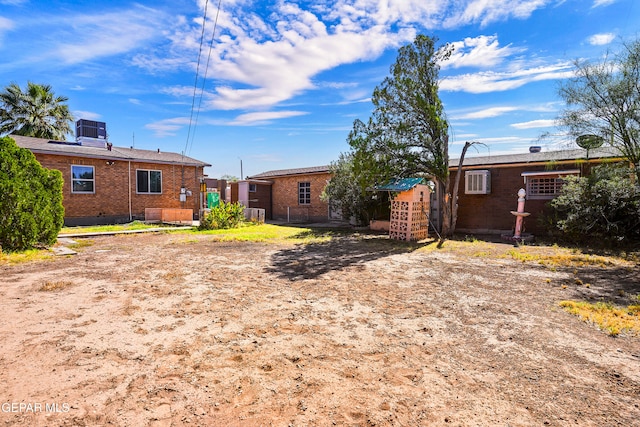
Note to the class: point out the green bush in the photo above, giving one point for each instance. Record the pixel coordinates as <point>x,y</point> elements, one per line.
<point>225,215</point>
<point>31,211</point>
<point>603,207</point>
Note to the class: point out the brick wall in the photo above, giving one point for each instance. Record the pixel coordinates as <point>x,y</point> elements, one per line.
<point>261,198</point>
<point>110,201</point>
<point>492,212</point>
<point>284,193</point>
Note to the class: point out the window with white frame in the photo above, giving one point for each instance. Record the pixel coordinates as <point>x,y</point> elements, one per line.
<point>82,179</point>
<point>477,182</point>
<point>253,188</point>
<point>304,193</point>
<point>546,184</point>
<point>148,181</point>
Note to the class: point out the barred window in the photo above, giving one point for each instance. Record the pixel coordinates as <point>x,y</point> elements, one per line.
<point>545,185</point>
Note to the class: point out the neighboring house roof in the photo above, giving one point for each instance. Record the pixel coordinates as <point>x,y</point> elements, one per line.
<point>289,172</point>
<point>401,184</point>
<point>540,157</point>
<point>45,146</point>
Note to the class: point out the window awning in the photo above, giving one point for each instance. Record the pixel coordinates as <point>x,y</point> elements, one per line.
<point>551,173</point>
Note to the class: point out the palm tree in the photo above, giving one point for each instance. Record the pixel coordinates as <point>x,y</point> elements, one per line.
<point>37,112</point>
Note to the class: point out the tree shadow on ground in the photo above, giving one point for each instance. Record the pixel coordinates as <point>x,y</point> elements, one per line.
<point>341,250</point>
<point>617,285</point>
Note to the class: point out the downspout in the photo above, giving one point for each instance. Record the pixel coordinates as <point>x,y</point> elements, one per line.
<point>130,213</point>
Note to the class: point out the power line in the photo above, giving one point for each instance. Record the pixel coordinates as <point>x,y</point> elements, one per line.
<point>194,121</point>
<point>204,79</point>
<point>195,83</point>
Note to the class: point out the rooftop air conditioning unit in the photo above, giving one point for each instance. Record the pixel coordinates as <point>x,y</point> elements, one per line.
<point>91,129</point>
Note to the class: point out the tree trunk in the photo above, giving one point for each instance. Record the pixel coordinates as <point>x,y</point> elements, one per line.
<point>456,185</point>
<point>445,208</point>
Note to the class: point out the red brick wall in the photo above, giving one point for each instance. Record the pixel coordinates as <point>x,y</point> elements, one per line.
<point>111,197</point>
<point>492,212</point>
<point>261,198</point>
<point>284,193</point>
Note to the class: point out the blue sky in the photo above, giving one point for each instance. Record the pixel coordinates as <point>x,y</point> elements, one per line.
<point>286,79</point>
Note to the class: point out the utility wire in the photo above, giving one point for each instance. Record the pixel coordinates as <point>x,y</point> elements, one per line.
<point>204,79</point>
<point>195,84</point>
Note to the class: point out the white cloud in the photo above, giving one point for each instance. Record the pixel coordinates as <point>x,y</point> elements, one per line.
<point>533,124</point>
<point>496,81</point>
<point>6,25</point>
<point>481,51</point>
<point>87,115</point>
<point>261,60</point>
<point>264,117</point>
<point>486,113</point>
<point>601,39</point>
<point>485,12</point>
<point>597,3</point>
<point>278,69</point>
<point>276,59</point>
<point>167,127</point>
<point>109,34</point>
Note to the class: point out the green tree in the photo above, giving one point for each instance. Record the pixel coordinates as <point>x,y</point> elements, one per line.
<point>350,190</point>
<point>604,206</point>
<point>407,134</point>
<point>36,112</point>
<point>603,99</point>
<point>31,211</point>
<point>230,178</point>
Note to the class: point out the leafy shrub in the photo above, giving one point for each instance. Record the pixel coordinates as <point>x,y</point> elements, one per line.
<point>604,206</point>
<point>225,215</point>
<point>31,211</point>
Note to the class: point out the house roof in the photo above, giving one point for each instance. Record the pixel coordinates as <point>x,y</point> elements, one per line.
<point>288,172</point>
<point>400,184</point>
<point>540,157</point>
<point>45,146</point>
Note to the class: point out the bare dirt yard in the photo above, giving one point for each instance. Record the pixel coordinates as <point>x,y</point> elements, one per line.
<point>356,330</point>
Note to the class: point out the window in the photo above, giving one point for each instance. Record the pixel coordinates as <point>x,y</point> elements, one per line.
<point>304,193</point>
<point>547,184</point>
<point>477,182</point>
<point>252,188</point>
<point>149,181</point>
<point>82,179</point>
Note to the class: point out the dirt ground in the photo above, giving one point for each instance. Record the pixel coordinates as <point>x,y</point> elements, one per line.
<point>174,329</point>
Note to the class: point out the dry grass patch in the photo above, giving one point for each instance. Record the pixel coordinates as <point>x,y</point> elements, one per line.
<point>549,256</point>
<point>608,317</point>
<point>55,286</point>
<point>12,258</point>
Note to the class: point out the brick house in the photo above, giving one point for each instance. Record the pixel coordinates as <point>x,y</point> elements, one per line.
<point>295,194</point>
<point>107,184</point>
<point>253,193</point>
<point>489,186</point>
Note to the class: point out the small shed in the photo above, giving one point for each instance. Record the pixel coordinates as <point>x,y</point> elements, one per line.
<point>409,208</point>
